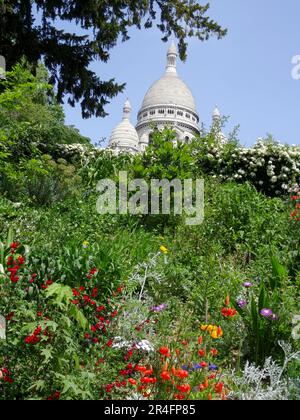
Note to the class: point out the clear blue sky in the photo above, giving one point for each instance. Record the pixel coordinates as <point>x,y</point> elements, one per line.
<point>248,73</point>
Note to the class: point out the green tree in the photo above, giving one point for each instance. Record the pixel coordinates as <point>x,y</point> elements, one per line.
<point>30,114</point>
<point>33,29</point>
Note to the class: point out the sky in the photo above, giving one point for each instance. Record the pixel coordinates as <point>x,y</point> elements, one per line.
<point>248,74</point>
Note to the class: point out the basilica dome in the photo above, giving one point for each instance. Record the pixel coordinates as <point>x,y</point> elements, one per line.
<point>170,90</point>
<point>168,102</point>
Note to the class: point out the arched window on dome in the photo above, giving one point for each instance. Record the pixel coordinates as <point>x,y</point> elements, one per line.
<point>187,140</point>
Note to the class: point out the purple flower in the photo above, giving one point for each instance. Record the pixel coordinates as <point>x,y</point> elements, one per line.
<point>213,367</point>
<point>266,313</point>
<point>197,366</point>
<point>242,303</point>
<point>248,284</point>
<point>159,308</point>
<point>275,317</point>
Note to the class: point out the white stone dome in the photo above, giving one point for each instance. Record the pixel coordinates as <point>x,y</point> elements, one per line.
<point>125,137</point>
<point>170,90</point>
<point>168,102</point>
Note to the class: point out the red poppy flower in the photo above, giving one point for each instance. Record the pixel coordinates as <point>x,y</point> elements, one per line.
<point>184,388</point>
<point>132,381</point>
<point>165,376</point>
<point>219,388</point>
<point>202,353</point>
<point>164,351</point>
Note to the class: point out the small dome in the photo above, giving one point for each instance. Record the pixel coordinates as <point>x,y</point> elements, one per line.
<point>124,136</point>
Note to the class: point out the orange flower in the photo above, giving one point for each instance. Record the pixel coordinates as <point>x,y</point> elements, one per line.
<point>205,383</point>
<point>227,300</point>
<point>174,371</point>
<point>210,397</point>
<point>200,340</point>
<point>166,367</point>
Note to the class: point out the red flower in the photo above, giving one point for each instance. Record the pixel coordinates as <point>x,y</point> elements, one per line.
<point>200,340</point>
<point>10,316</point>
<point>184,388</point>
<point>202,353</point>
<point>75,293</point>
<point>100,308</point>
<point>214,352</point>
<point>37,331</point>
<point>56,395</point>
<point>75,302</point>
<point>165,376</point>
<point>182,374</point>
<point>179,397</point>
<point>109,343</point>
<point>132,381</point>
<point>14,279</point>
<point>14,246</point>
<point>21,260</point>
<point>164,351</point>
<point>219,388</point>
<point>228,312</point>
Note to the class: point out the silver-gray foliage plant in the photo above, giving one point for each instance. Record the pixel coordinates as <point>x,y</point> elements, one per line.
<point>266,383</point>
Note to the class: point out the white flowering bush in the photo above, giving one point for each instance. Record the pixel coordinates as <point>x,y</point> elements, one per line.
<point>271,167</point>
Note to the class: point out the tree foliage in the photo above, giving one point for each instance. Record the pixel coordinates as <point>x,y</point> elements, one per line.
<point>33,29</point>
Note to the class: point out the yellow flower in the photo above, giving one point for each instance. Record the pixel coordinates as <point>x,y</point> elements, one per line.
<point>85,244</point>
<point>203,327</point>
<point>216,333</point>
<point>163,249</point>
